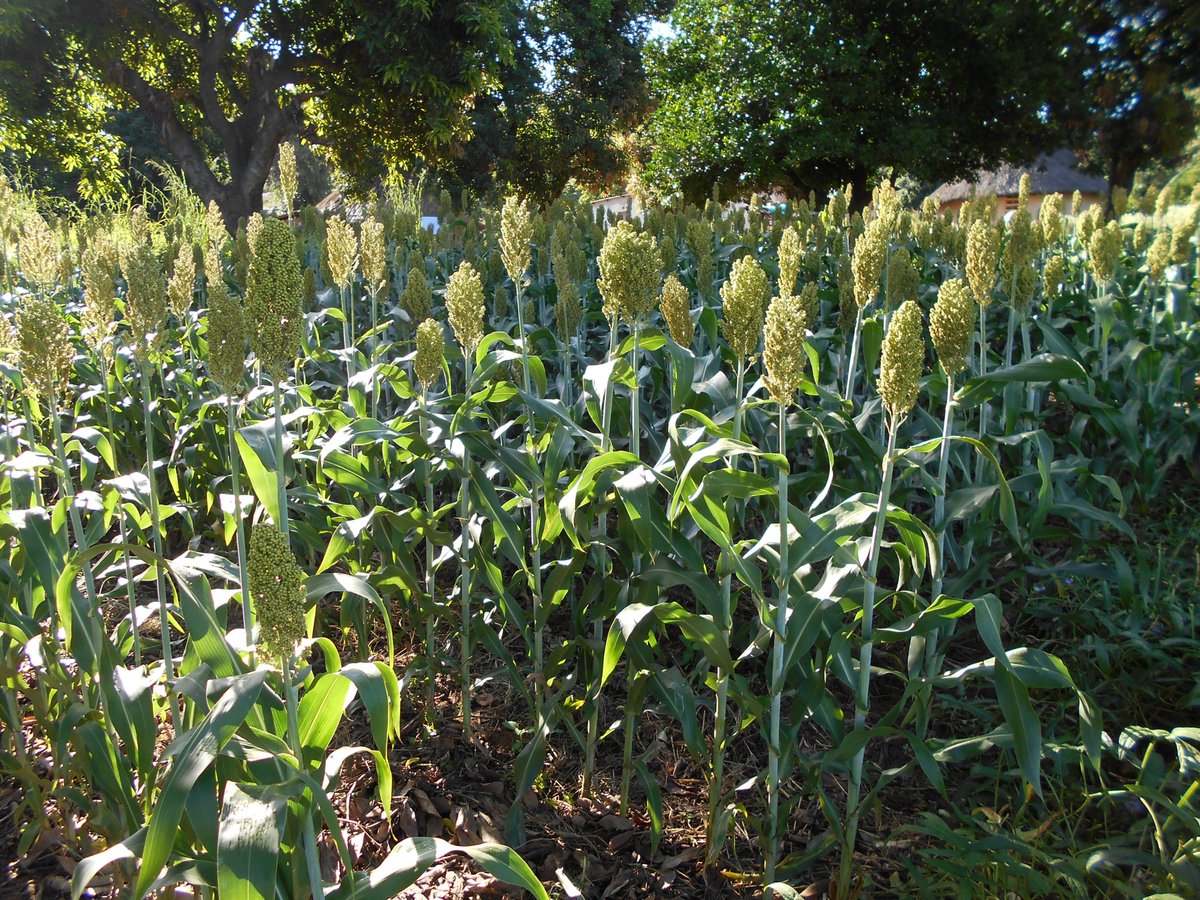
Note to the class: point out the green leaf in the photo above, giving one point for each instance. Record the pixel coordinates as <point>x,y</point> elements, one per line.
<point>192,754</point>
<point>251,827</point>
<point>409,859</point>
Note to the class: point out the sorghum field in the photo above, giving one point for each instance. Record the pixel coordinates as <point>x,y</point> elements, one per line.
<point>835,552</point>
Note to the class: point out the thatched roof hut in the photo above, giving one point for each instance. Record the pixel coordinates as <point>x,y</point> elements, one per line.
<point>1054,173</point>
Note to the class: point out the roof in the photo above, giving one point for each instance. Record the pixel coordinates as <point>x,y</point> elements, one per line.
<point>1054,173</point>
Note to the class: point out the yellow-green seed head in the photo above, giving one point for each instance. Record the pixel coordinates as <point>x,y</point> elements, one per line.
<point>98,319</point>
<point>464,306</point>
<point>629,273</point>
<point>289,180</point>
<point>1104,251</point>
<point>431,353</point>
<point>277,589</point>
<point>1076,204</point>
<point>1180,238</point>
<point>226,329</point>
<point>951,324</point>
<point>254,227</point>
<point>1051,218</point>
<point>790,251</point>
<point>1141,236</point>
<point>1163,202</point>
<point>676,308</point>
<point>274,286</point>
<point>1159,255</point>
<point>904,282</point>
<point>341,252</point>
<point>744,305</point>
<point>182,287</point>
<point>417,299</point>
<point>516,237</point>
<point>1089,223</point>
<point>44,349</point>
<point>1120,201</point>
<point>374,255</point>
<point>40,254</point>
<point>1026,286</point>
<point>902,361</point>
<point>870,253</point>
<point>983,250</point>
<point>145,299</point>
<point>810,305</point>
<point>568,312</point>
<point>847,308</point>
<point>214,227</point>
<point>308,298</point>
<point>1023,190</point>
<point>783,348</point>
<point>1052,277</point>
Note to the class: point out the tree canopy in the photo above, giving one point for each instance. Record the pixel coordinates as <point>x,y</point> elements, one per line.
<point>810,95</point>
<point>374,82</point>
<point>1143,60</point>
<point>576,86</point>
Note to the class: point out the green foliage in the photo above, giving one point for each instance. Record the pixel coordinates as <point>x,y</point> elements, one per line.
<point>816,95</point>
<point>608,515</point>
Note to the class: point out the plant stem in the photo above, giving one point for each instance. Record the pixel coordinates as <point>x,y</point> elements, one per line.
<point>236,472</point>
<point>156,539</point>
<point>134,630</point>
<point>68,492</point>
<point>853,363</point>
<point>430,625</point>
<point>465,587</point>
<point>311,859</point>
<point>983,367</point>
<point>779,642</point>
<point>593,722</point>
<point>346,336</point>
<point>534,529</point>
<point>721,714</point>
<point>635,422</point>
<point>280,473</point>
<point>863,696</point>
<point>932,656</point>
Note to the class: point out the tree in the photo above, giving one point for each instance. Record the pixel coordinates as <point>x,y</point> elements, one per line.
<point>577,84</point>
<point>1143,58</point>
<point>809,95</point>
<point>374,82</point>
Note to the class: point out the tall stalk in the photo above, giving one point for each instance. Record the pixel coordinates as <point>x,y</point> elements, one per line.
<point>774,745</point>
<point>932,650</point>
<point>156,538</point>
<point>853,363</point>
<point>716,787</point>
<point>311,860</point>
<point>534,510</point>
<point>280,473</point>
<point>430,585</point>
<point>862,700</point>
<point>593,720</point>
<point>236,473</point>
<point>464,502</point>
<point>135,631</point>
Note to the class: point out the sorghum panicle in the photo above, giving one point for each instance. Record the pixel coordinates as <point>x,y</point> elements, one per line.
<point>431,353</point>
<point>274,285</point>
<point>464,306</point>
<point>783,348</point>
<point>629,273</point>
<point>743,303</point>
<point>902,361</point>
<point>952,324</point>
<point>676,308</point>
<point>277,587</point>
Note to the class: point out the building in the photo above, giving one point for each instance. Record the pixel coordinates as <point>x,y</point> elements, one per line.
<point>623,206</point>
<point>1055,173</point>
